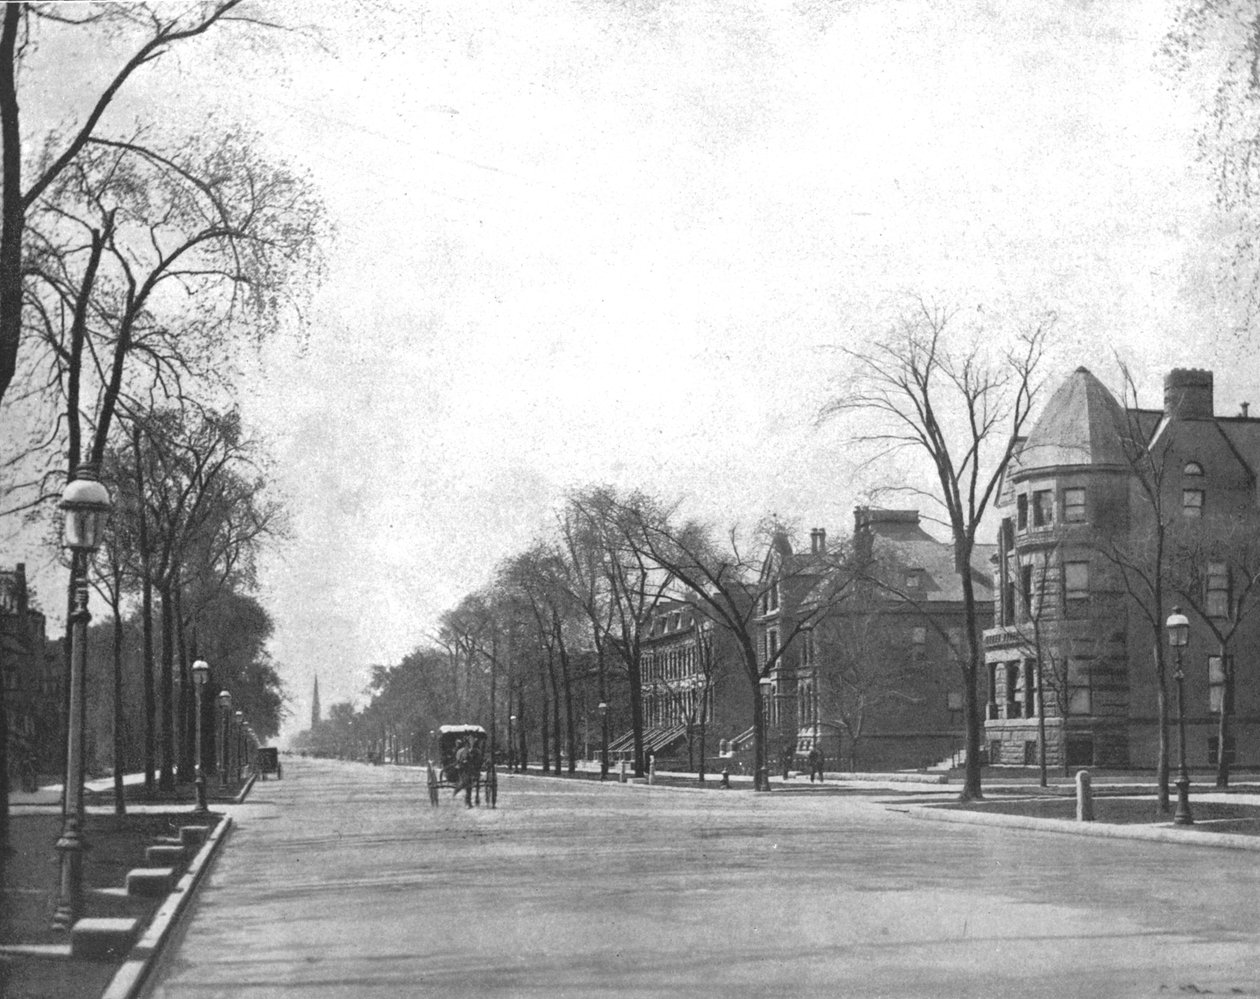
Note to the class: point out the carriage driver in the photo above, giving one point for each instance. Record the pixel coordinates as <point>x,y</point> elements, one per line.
<point>466,776</point>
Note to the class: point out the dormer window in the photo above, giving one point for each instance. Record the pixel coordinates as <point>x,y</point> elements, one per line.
<point>1193,468</point>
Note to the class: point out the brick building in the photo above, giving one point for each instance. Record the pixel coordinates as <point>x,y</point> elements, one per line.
<point>693,690</point>
<point>874,681</point>
<point>32,676</point>
<point>1091,492</point>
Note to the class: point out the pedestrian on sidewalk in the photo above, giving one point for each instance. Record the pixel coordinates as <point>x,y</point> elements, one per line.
<point>815,764</point>
<point>787,761</point>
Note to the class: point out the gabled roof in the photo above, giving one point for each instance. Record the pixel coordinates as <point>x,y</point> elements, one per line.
<point>933,562</point>
<point>1082,424</point>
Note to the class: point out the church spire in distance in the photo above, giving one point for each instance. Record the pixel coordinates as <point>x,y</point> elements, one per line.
<point>315,703</point>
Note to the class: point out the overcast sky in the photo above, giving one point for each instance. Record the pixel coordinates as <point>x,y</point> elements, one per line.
<point>610,242</point>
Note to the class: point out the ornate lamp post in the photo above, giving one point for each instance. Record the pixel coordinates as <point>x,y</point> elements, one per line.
<point>200,673</point>
<point>1178,626</point>
<point>603,751</point>
<point>761,782</point>
<point>239,715</point>
<point>225,748</point>
<point>86,504</point>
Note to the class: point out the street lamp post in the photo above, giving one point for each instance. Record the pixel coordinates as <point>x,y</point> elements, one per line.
<point>603,751</point>
<point>511,744</point>
<point>200,672</point>
<point>1179,637</point>
<point>239,715</point>
<point>86,504</point>
<point>761,782</point>
<point>225,748</point>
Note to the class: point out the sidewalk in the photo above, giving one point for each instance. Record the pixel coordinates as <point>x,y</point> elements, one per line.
<point>929,796</point>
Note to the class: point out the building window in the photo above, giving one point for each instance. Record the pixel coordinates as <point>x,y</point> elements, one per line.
<point>993,690</point>
<point>1030,688</point>
<point>995,751</point>
<point>1214,746</point>
<point>1021,512</point>
<point>1043,508</point>
<point>1216,685</point>
<point>772,644</point>
<point>918,637</point>
<point>1008,533</point>
<point>912,581</point>
<point>1014,687</point>
<point>1025,585</point>
<point>1074,506</point>
<point>1218,590</point>
<point>1192,493</point>
<point>954,704</point>
<point>1008,605</point>
<point>1080,750</point>
<point>1192,502</point>
<point>1030,752</point>
<point>1079,697</point>
<point>774,596</point>
<point>1076,589</point>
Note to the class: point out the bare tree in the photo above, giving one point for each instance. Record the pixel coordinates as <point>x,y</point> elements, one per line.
<point>1141,554</point>
<point>723,579</point>
<point>866,664</point>
<point>964,407</point>
<point>628,589</point>
<point>589,568</point>
<point>1214,565</point>
<point>146,33</point>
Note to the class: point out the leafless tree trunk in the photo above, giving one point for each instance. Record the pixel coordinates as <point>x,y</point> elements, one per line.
<point>966,414</point>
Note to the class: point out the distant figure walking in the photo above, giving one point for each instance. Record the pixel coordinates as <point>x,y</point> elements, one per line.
<point>815,764</point>
<point>787,761</point>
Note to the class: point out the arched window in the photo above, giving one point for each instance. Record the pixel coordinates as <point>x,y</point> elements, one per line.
<point>1193,468</point>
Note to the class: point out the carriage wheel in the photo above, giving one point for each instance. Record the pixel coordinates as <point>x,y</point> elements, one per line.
<point>433,787</point>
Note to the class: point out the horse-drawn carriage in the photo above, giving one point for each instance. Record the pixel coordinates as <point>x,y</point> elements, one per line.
<point>459,754</point>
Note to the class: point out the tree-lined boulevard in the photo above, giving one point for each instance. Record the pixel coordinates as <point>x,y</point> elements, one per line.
<point>478,368</point>
<point>341,880</point>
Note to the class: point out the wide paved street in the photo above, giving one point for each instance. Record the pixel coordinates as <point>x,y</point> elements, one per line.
<point>341,880</point>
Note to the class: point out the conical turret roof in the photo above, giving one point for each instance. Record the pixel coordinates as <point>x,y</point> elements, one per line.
<point>1082,424</point>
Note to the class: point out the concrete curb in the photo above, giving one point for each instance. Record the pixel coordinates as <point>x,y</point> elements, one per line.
<point>249,785</point>
<point>1154,834</point>
<point>130,978</point>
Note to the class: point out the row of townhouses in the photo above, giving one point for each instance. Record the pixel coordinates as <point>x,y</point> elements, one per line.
<point>1093,495</point>
<point>32,676</point>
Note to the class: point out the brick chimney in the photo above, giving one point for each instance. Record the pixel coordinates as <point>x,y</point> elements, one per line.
<point>818,540</point>
<point>1188,394</point>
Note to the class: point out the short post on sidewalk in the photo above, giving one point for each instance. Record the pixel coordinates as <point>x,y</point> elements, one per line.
<point>1084,797</point>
